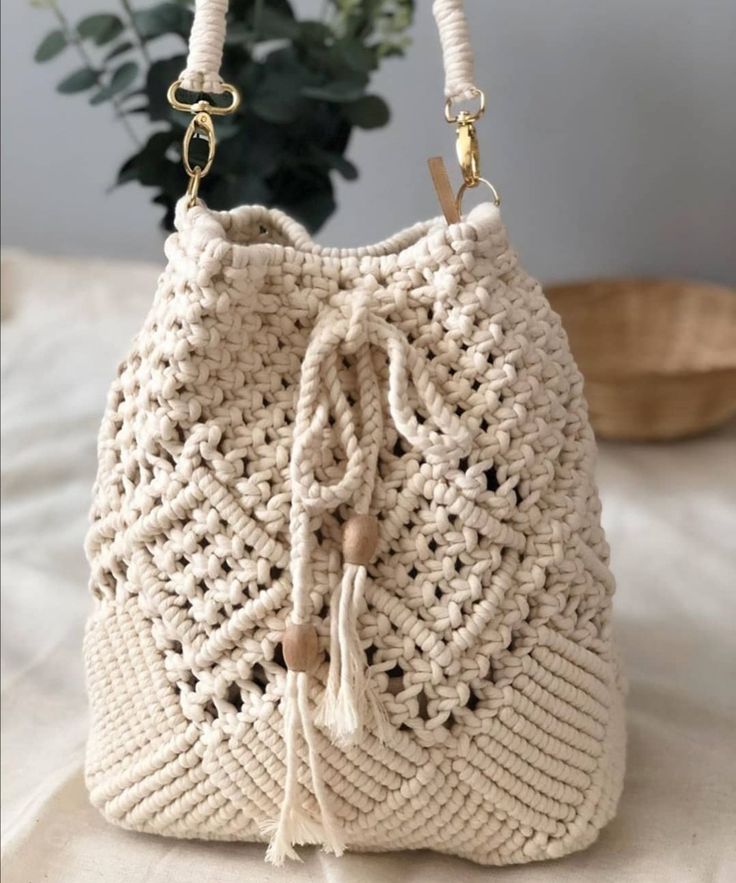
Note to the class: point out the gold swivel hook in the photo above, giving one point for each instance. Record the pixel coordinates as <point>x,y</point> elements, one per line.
<point>467,148</point>
<point>201,128</point>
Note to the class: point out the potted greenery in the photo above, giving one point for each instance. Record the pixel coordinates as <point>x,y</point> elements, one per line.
<point>305,85</point>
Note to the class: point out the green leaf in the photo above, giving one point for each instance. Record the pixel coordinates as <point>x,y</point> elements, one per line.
<point>168,201</point>
<point>352,55</point>
<point>150,165</point>
<point>335,161</point>
<point>276,93</point>
<point>274,25</point>
<point>368,112</point>
<point>84,78</point>
<point>128,171</point>
<point>324,126</point>
<point>340,91</point>
<point>51,45</point>
<point>100,28</point>
<point>122,77</point>
<point>120,49</point>
<point>238,34</point>
<point>314,34</point>
<point>161,74</point>
<point>343,165</point>
<point>255,147</point>
<point>164,18</point>
<point>307,194</point>
<point>275,106</point>
<point>232,190</point>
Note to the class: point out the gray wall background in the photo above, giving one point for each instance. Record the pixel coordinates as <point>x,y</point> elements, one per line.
<point>611,133</point>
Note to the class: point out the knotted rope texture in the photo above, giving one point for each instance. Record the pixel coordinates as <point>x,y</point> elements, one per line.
<point>207,38</point>
<point>349,703</point>
<point>485,615</point>
<point>457,53</point>
<point>206,42</point>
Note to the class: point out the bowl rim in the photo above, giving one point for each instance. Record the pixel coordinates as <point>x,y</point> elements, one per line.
<point>617,375</point>
<point>649,281</point>
<point>680,374</point>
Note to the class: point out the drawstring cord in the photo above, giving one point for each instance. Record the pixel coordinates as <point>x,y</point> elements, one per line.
<point>294,824</point>
<point>350,704</point>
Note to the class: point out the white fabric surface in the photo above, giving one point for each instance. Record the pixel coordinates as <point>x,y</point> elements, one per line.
<point>670,513</point>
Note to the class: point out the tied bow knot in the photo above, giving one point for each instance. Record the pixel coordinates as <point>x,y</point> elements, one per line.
<point>357,315</point>
<point>352,328</point>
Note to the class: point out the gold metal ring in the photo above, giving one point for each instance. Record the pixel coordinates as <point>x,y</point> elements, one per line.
<point>199,127</point>
<point>193,186</point>
<point>204,105</point>
<point>469,117</point>
<point>465,187</point>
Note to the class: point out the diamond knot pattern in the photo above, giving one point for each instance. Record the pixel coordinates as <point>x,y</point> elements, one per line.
<point>485,620</point>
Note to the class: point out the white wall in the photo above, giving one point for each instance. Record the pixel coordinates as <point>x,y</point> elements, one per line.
<point>611,133</point>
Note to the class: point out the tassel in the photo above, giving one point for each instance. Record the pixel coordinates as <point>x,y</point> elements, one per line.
<point>349,704</point>
<point>330,837</point>
<point>295,825</point>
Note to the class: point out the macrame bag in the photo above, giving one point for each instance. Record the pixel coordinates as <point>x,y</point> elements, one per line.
<point>350,582</point>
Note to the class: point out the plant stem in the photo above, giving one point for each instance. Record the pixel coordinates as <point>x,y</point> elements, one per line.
<point>257,17</point>
<point>71,36</point>
<point>73,39</point>
<point>130,14</point>
<point>123,117</point>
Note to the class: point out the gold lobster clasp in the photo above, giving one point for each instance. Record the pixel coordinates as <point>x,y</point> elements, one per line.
<point>468,152</point>
<point>466,147</point>
<point>200,128</point>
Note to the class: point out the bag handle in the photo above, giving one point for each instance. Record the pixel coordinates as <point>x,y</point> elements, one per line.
<point>207,38</point>
<point>202,75</point>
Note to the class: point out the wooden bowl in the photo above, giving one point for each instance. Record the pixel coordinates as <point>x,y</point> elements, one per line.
<point>658,356</point>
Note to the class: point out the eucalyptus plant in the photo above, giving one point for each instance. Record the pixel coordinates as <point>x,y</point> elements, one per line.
<point>304,82</point>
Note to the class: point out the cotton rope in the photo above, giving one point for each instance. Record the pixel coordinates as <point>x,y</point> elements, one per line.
<point>465,695</point>
<point>207,39</point>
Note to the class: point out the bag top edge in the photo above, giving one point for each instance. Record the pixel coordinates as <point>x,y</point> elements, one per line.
<point>231,235</point>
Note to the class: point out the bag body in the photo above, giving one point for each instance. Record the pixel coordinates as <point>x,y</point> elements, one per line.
<point>350,582</point>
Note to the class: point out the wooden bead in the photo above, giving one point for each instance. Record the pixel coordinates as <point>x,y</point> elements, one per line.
<point>301,647</point>
<point>359,539</point>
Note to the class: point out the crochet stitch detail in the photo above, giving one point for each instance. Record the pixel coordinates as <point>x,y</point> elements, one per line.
<point>467,698</point>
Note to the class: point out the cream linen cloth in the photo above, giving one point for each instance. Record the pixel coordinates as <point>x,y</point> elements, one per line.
<point>670,515</point>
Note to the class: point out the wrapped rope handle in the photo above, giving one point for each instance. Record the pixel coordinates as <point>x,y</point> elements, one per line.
<point>207,38</point>
<point>457,53</point>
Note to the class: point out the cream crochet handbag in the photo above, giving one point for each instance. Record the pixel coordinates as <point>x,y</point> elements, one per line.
<point>350,582</point>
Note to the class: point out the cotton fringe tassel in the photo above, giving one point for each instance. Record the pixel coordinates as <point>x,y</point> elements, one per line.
<point>295,825</point>
<point>350,704</point>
